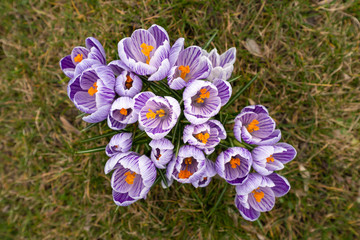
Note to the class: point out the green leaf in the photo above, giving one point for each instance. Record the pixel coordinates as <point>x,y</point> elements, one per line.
<point>234,79</point>
<point>92,150</point>
<point>218,201</point>
<point>234,97</point>
<point>100,136</point>
<point>211,39</point>
<point>88,127</point>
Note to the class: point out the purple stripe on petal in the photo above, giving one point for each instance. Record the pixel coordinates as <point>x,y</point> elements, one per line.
<point>266,203</point>
<point>67,66</point>
<point>228,57</point>
<point>98,116</point>
<point>282,185</point>
<point>159,33</point>
<point>78,54</point>
<point>249,214</point>
<point>93,42</point>
<point>287,155</point>
<point>224,90</point>
<point>175,51</point>
<point>255,109</point>
<point>141,99</point>
<point>122,199</point>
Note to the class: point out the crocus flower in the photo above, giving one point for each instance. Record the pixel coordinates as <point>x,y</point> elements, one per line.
<point>122,113</point>
<point>92,90</point>
<point>207,176</point>
<point>255,126</point>
<point>190,65</point>
<point>204,136</point>
<point>188,167</point>
<point>146,52</point>
<point>119,143</point>
<point>133,177</point>
<point>222,65</point>
<point>267,159</point>
<point>162,152</point>
<point>94,50</point>
<point>157,115</point>
<point>257,194</point>
<point>201,101</point>
<point>234,165</point>
<point>127,83</point>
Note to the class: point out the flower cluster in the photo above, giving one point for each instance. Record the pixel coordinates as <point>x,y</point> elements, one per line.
<point>163,104</point>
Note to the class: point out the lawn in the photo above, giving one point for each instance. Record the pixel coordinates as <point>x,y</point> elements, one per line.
<point>307,59</point>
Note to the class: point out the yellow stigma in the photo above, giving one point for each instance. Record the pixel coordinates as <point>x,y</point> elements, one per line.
<point>258,195</point>
<point>130,177</point>
<point>271,158</point>
<point>252,126</point>
<point>183,174</point>
<point>184,70</point>
<point>146,49</point>
<point>204,93</point>
<point>235,162</point>
<point>152,115</point>
<point>160,112</point>
<point>128,82</point>
<point>202,137</point>
<point>78,58</point>
<point>92,90</point>
<point>123,111</point>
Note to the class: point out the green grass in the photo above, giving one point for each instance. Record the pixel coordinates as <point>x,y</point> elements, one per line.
<point>308,76</point>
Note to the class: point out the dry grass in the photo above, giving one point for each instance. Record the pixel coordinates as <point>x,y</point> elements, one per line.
<point>308,60</point>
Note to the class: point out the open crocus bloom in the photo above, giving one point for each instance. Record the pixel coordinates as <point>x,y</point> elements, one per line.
<point>94,50</point>
<point>204,136</point>
<point>234,165</point>
<point>267,159</point>
<point>255,126</point>
<point>191,65</point>
<point>157,115</point>
<point>133,177</point>
<point>162,152</point>
<point>222,65</point>
<point>257,194</point>
<point>146,52</point>
<point>119,143</point>
<point>207,176</point>
<point>127,83</point>
<point>122,113</point>
<point>188,167</point>
<point>201,101</point>
<point>92,90</point>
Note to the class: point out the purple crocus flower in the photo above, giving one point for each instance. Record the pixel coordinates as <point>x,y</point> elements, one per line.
<point>255,126</point>
<point>133,177</point>
<point>94,50</point>
<point>127,83</point>
<point>146,52</point>
<point>157,115</point>
<point>257,194</point>
<point>267,159</point>
<point>204,136</point>
<point>122,113</point>
<point>222,65</point>
<point>119,143</point>
<point>190,65</point>
<point>201,101</point>
<point>92,90</point>
<point>234,165</point>
<point>207,176</point>
<point>162,152</point>
<point>188,167</point>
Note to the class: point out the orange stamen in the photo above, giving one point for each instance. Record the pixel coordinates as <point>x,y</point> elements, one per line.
<point>186,173</point>
<point>92,90</point>
<point>202,137</point>
<point>158,157</point>
<point>78,58</point>
<point>150,114</point>
<point>252,126</point>
<point>123,111</point>
<point>204,93</point>
<point>130,177</point>
<point>128,82</point>
<point>146,49</point>
<point>235,162</point>
<point>271,158</point>
<point>184,70</point>
<point>160,113</point>
<point>258,195</point>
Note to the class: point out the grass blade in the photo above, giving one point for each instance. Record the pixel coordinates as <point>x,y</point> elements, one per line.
<point>88,127</point>
<point>233,98</point>
<point>99,136</point>
<point>92,150</point>
<point>211,39</point>
<point>234,79</point>
<point>218,201</point>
